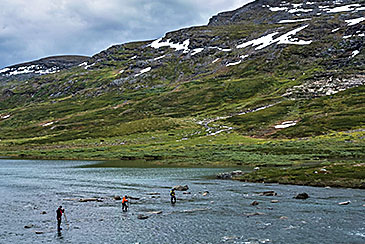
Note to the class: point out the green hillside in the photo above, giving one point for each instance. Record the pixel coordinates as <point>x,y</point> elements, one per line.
<point>216,100</point>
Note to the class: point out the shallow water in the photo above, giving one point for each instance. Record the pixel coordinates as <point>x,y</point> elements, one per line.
<point>28,187</point>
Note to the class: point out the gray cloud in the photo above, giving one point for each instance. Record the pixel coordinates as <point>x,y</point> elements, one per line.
<point>31,29</point>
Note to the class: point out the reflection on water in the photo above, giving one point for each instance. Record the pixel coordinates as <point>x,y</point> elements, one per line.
<point>214,211</point>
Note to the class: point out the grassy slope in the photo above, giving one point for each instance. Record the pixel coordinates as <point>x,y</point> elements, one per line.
<point>92,119</point>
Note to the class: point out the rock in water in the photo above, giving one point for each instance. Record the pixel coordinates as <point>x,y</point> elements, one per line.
<point>141,216</point>
<point>268,193</point>
<point>90,200</point>
<point>344,203</point>
<point>255,203</point>
<point>117,198</point>
<point>302,196</point>
<point>29,226</point>
<point>181,188</point>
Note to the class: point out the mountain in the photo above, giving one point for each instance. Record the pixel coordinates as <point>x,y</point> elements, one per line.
<point>39,67</point>
<point>271,83</point>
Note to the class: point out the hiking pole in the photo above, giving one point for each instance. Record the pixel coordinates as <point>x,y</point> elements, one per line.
<point>64,215</point>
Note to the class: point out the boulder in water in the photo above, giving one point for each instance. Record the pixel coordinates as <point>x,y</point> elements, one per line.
<point>39,232</point>
<point>274,201</point>
<point>302,196</point>
<point>117,198</point>
<point>181,188</point>
<point>29,226</point>
<point>43,212</point>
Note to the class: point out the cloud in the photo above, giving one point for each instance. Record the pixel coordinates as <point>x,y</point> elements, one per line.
<point>31,29</point>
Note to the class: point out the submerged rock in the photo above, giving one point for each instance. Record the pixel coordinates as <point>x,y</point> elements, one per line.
<point>39,232</point>
<point>117,198</point>
<point>302,196</point>
<point>29,226</point>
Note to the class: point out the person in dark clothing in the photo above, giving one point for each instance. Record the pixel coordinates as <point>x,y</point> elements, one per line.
<point>173,196</point>
<point>59,212</point>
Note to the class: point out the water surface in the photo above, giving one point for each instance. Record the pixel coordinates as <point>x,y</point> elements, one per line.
<point>224,215</point>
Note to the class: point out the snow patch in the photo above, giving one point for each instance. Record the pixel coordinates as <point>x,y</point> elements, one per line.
<point>276,9</point>
<point>88,66</point>
<point>296,10</point>
<point>292,21</point>
<point>345,8</point>
<point>351,22</point>
<point>158,58</point>
<point>284,39</point>
<point>264,41</point>
<point>4,70</point>
<point>354,53</point>
<point>221,49</point>
<point>334,30</point>
<point>143,71</point>
<point>177,46</point>
<point>5,116</point>
<point>82,64</point>
<point>215,60</point>
<point>48,124</point>
<point>234,63</point>
<point>285,124</point>
<point>196,51</point>
<point>346,37</point>
<point>287,39</point>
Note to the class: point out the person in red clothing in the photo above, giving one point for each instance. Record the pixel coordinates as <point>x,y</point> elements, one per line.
<point>124,203</point>
<point>59,212</point>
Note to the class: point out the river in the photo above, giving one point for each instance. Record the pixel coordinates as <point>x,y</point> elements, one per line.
<point>31,191</point>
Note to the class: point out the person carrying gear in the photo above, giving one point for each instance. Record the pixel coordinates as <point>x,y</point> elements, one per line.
<point>59,212</point>
<point>173,197</point>
<point>124,203</point>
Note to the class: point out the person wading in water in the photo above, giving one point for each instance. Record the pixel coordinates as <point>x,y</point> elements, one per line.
<point>173,197</point>
<point>59,212</point>
<point>124,203</point>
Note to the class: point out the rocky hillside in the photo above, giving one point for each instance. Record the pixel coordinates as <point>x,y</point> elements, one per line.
<point>39,67</point>
<point>270,69</point>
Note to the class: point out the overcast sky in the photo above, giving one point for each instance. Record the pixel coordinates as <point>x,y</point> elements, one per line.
<point>32,29</point>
